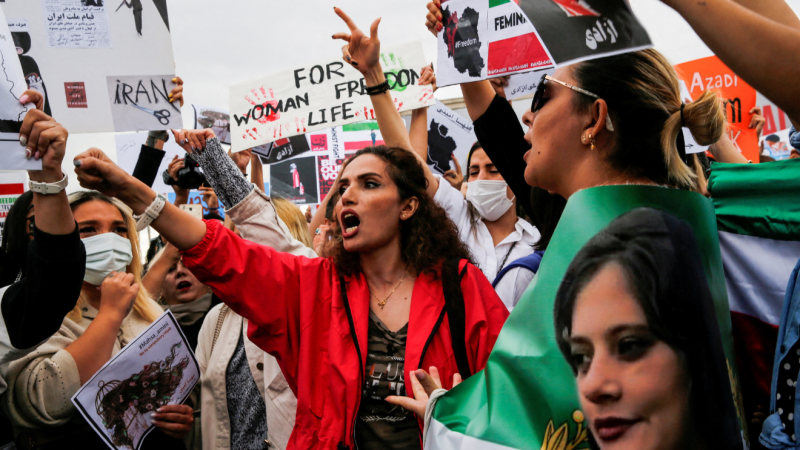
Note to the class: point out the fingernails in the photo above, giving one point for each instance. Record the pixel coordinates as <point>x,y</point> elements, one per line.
<point>193,148</point>
<point>37,156</point>
<point>24,99</point>
<point>170,95</point>
<point>347,57</point>
<point>175,80</point>
<point>438,27</point>
<point>439,16</point>
<point>186,141</point>
<point>27,153</point>
<point>77,162</point>
<point>355,63</point>
<point>159,409</point>
<point>23,140</point>
<point>420,374</point>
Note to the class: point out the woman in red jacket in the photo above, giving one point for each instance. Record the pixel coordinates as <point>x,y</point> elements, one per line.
<point>347,330</point>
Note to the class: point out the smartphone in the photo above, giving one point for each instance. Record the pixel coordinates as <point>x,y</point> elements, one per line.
<point>195,210</point>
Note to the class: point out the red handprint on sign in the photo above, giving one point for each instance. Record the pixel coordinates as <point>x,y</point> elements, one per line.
<point>264,109</point>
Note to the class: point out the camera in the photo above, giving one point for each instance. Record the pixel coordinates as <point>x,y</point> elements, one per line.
<point>189,177</point>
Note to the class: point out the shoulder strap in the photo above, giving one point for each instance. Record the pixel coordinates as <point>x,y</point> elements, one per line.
<point>220,319</point>
<point>456,315</point>
<point>530,262</point>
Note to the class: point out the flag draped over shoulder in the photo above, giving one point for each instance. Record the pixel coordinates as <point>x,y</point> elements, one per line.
<point>526,397</point>
<point>758,218</point>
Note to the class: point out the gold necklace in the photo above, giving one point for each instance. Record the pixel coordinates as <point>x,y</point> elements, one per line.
<point>382,303</point>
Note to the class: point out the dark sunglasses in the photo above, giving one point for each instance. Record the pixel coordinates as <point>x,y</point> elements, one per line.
<point>537,103</point>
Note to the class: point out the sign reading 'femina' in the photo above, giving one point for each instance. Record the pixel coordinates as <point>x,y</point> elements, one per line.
<point>318,96</point>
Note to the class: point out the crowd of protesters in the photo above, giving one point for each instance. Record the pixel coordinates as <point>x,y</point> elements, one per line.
<point>342,329</point>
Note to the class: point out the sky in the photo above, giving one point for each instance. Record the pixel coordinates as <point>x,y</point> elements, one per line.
<point>219,43</point>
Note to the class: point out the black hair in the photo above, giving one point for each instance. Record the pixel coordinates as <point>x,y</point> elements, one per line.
<point>547,209</point>
<point>476,146</point>
<point>330,207</point>
<point>15,239</point>
<point>661,260</point>
<point>22,40</point>
<point>772,138</point>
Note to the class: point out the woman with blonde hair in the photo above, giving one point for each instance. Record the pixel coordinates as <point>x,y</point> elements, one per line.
<point>112,309</point>
<point>294,219</point>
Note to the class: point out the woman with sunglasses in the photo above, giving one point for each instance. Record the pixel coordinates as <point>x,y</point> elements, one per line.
<point>614,120</point>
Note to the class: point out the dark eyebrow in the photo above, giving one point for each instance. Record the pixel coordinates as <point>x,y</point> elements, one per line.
<point>614,331</point>
<point>95,222</point>
<point>369,174</point>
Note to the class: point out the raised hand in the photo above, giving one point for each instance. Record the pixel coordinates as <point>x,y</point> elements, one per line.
<point>499,85</point>
<point>427,76</point>
<point>117,295</point>
<point>242,158</point>
<point>433,20</point>
<point>98,172</point>
<point>45,139</point>
<point>193,140</point>
<point>757,120</point>
<point>177,91</point>
<point>361,52</point>
<point>454,177</point>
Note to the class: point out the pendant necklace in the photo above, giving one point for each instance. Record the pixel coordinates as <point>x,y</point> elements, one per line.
<point>382,303</point>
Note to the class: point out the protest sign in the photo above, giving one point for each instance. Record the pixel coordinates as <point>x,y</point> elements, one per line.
<point>777,146</point>
<point>282,149</point>
<point>328,171</point>
<point>488,38</point>
<point>448,134</point>
<point>738,98</point>
<point>142,103</point>
<point>12,185</point>
<point>295,180</point>
<point>218,120</point>
<point>524,84</point>
<point>129,146</point>
<point>68,48</point>
<point>356,136</point>
<point>12,112</point>
<point>318,96</point>
<point>157,368</point>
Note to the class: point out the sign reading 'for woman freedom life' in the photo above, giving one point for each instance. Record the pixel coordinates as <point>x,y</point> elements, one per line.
<point>322,95</point>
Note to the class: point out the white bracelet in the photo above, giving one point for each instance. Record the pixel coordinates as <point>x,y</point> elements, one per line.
<point>151,213</point>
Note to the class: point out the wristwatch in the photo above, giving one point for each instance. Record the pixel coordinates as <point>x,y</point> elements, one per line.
<point>48,188</point>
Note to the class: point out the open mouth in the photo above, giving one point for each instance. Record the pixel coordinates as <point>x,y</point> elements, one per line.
<point>612,428</point>
<point>184,286</point>
<point>350,223</point>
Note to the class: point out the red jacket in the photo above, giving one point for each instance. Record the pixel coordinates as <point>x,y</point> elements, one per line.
<point>298,315</point>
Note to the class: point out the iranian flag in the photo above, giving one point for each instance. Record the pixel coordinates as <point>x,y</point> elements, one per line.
<point>356,136</point>
<point>758,218</point>
<point>526,396</point>
<point>514,44</point>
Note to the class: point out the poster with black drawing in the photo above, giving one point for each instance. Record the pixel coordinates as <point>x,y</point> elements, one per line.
<point>142,103</point>
<point>462,44</point>
<point>295,180</point>
<point>157,368</point>
<point>576,30</point>
<point>449,134</point>
<point>283,149</point>
<point>218,120</point>
<point>12,112</point>
<point>68,48</point>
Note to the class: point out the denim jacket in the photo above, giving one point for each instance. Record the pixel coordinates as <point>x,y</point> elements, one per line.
<point>773,435</point>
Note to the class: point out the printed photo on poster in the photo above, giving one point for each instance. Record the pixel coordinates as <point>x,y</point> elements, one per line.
<point>157,368</point>
<point>356,136</point>
<point>135,7</point>
<point>295,180</point>
<point>142,103</point>
<point>33,76</point>
<point>12,112</point>
<point>196,198</point>
<point>218,120</point>
<point>282,149</point>
<point>777,145</point>
<point>328,171</point>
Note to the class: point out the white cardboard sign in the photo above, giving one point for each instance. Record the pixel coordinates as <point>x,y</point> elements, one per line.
<point>321,95</point>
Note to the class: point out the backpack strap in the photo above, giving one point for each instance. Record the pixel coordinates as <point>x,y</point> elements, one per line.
<point>456,315</point>
<point>530,262</point>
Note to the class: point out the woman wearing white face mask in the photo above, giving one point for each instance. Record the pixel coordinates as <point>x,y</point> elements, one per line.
<point>112,310</point>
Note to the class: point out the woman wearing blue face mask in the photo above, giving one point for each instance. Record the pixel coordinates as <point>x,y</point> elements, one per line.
<point>111,310</point>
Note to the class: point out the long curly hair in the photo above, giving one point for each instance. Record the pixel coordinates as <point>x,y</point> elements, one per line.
<point>427,238</point>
